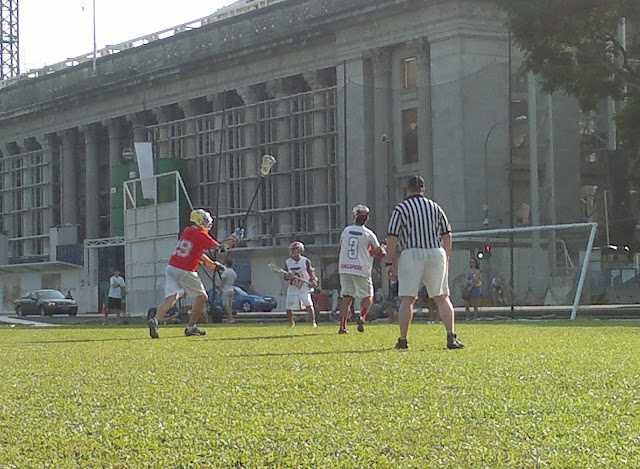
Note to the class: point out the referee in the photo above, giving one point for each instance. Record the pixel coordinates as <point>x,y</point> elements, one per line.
<point>420,232</point>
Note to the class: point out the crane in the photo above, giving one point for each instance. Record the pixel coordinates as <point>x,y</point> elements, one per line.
<point>9,55</point>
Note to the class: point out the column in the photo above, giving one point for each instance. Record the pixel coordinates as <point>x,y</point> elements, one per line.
<point>68,178</point>
<point>162,146</point>
<point>423,77</point>
<point>252,160</point>
<point>383,138</point>
<point>47,143</point>
<point>281,117</point>
<point>115,130</point>
<point>92,211</point>
<point>353,132</point>
<point>319,156</point>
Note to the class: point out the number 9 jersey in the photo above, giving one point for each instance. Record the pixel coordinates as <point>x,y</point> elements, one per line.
<point>193,242</point>
<point>355,257</point>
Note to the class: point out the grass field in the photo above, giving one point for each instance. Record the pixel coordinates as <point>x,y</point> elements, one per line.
<point>539,394</point>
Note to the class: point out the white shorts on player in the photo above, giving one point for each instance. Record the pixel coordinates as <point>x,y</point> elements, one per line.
<point>294,299</point>
<point>179,282</point>
<point>417,266</point>
<point>356,286</point>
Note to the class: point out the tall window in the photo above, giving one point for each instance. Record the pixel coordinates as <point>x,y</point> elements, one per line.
<point>410,135</point>
<point>409,73</point>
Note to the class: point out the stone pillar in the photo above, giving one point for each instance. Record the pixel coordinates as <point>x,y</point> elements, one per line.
<point>383,138</point>
<point>162,146</point>
<point>92,210</point>
<point>9,219</point>
<point>354,131</point>
<point>252,160</point>
<point>216,195</point>
<point>68,176</point>
<point>281,111</point>
<point>319,155</point>
<point>47,142</point>
<point>423,77</point>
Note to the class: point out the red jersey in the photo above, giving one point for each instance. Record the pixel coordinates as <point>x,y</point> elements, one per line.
<point>190,248</point>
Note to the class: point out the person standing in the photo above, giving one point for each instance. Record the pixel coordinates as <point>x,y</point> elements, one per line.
<point>302,279</point>
<point>420,232</point>
<point>358,246</point>
<point>181,276</point>
<point>228,279</point>
<point>116,292</point>
<point>474,284</point>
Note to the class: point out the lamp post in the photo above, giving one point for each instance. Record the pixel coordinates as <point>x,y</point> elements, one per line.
<point>485,206</point>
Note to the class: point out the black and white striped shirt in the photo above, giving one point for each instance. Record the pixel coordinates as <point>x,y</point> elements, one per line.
<point>418,222</point>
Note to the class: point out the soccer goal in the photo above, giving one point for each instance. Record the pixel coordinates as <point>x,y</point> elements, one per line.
<point>528,267</point>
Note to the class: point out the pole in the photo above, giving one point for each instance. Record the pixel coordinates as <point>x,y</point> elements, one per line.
<point>95,49</point>
<point>511,205</point>
<point>533,151</point>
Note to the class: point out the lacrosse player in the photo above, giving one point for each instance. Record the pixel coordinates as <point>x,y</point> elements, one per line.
<point>358,246</point>
<point>302,279</point>
<point>181,276</point>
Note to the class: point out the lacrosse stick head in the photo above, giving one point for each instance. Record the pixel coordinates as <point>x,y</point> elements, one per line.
<point>267,163</point>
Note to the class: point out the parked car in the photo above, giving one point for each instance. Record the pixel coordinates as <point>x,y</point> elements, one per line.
<point>243,301</point>
<point>45,302</point>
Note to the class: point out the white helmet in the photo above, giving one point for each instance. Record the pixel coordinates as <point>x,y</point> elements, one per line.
<point>202,218</point>
<point>296,246</point>
<point>359,210</point>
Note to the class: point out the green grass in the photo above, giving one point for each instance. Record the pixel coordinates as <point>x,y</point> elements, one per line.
<point>533,395</point>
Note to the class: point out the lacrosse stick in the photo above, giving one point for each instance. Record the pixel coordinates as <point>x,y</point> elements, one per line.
<point>265,168</point>
<point>279,270</point>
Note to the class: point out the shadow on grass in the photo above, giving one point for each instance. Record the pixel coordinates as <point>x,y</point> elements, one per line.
<point>308,354</point>
<point>175,337</point>
<point>554,322</point>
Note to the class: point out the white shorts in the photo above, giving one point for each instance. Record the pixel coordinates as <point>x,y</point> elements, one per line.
<point>423,266</point>
<point>294,299</point>
<point>227,298</point>
<point>356,286</point>
<point>179,282</point>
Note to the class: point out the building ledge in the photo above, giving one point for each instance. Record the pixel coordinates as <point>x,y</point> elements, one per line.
<point>37,267</point>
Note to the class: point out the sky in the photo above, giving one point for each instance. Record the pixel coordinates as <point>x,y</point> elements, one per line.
<point>51,31</point>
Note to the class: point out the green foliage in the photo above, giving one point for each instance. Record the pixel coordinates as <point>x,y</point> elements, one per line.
<point>555,394</point>
<point>575,47</point>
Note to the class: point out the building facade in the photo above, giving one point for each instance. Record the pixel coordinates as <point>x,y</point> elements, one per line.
<point>350,97</point>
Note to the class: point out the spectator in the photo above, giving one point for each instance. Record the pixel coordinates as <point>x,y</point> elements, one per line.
<point>228,278</point>
<point>116,292</point>
<point>420,232</point>
<point>474,284</point>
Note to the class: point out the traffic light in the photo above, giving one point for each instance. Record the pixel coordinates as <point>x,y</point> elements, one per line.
<point>484,252</point>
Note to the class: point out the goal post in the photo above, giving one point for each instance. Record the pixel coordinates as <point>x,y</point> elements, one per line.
<point>529,266</point>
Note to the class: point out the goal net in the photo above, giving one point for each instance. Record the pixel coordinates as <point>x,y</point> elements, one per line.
<point>541,270</point>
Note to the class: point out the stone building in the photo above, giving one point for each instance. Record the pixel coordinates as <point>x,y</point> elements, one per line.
<point>350,97</point>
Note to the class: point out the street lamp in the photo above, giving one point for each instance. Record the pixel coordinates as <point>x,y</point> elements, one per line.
<point>485,206</point>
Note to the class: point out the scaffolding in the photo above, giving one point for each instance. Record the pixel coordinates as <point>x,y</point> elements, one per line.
<point>9,53</point>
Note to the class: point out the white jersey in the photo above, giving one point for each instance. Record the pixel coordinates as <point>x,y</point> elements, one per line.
<point>355,257</point>
<point>299,269</point>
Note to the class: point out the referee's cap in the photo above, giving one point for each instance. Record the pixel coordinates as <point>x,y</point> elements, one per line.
<point>416,182</point>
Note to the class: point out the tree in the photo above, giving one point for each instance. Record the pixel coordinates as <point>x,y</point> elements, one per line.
<point>575,47</point>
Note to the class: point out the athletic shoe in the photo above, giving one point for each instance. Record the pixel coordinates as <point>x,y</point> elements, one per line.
<point>343,331</point>
<point>402,344</point>
<point>193,331</point>
<point>453,342</point>
<point>153,328</point>
<point>360,325</point>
